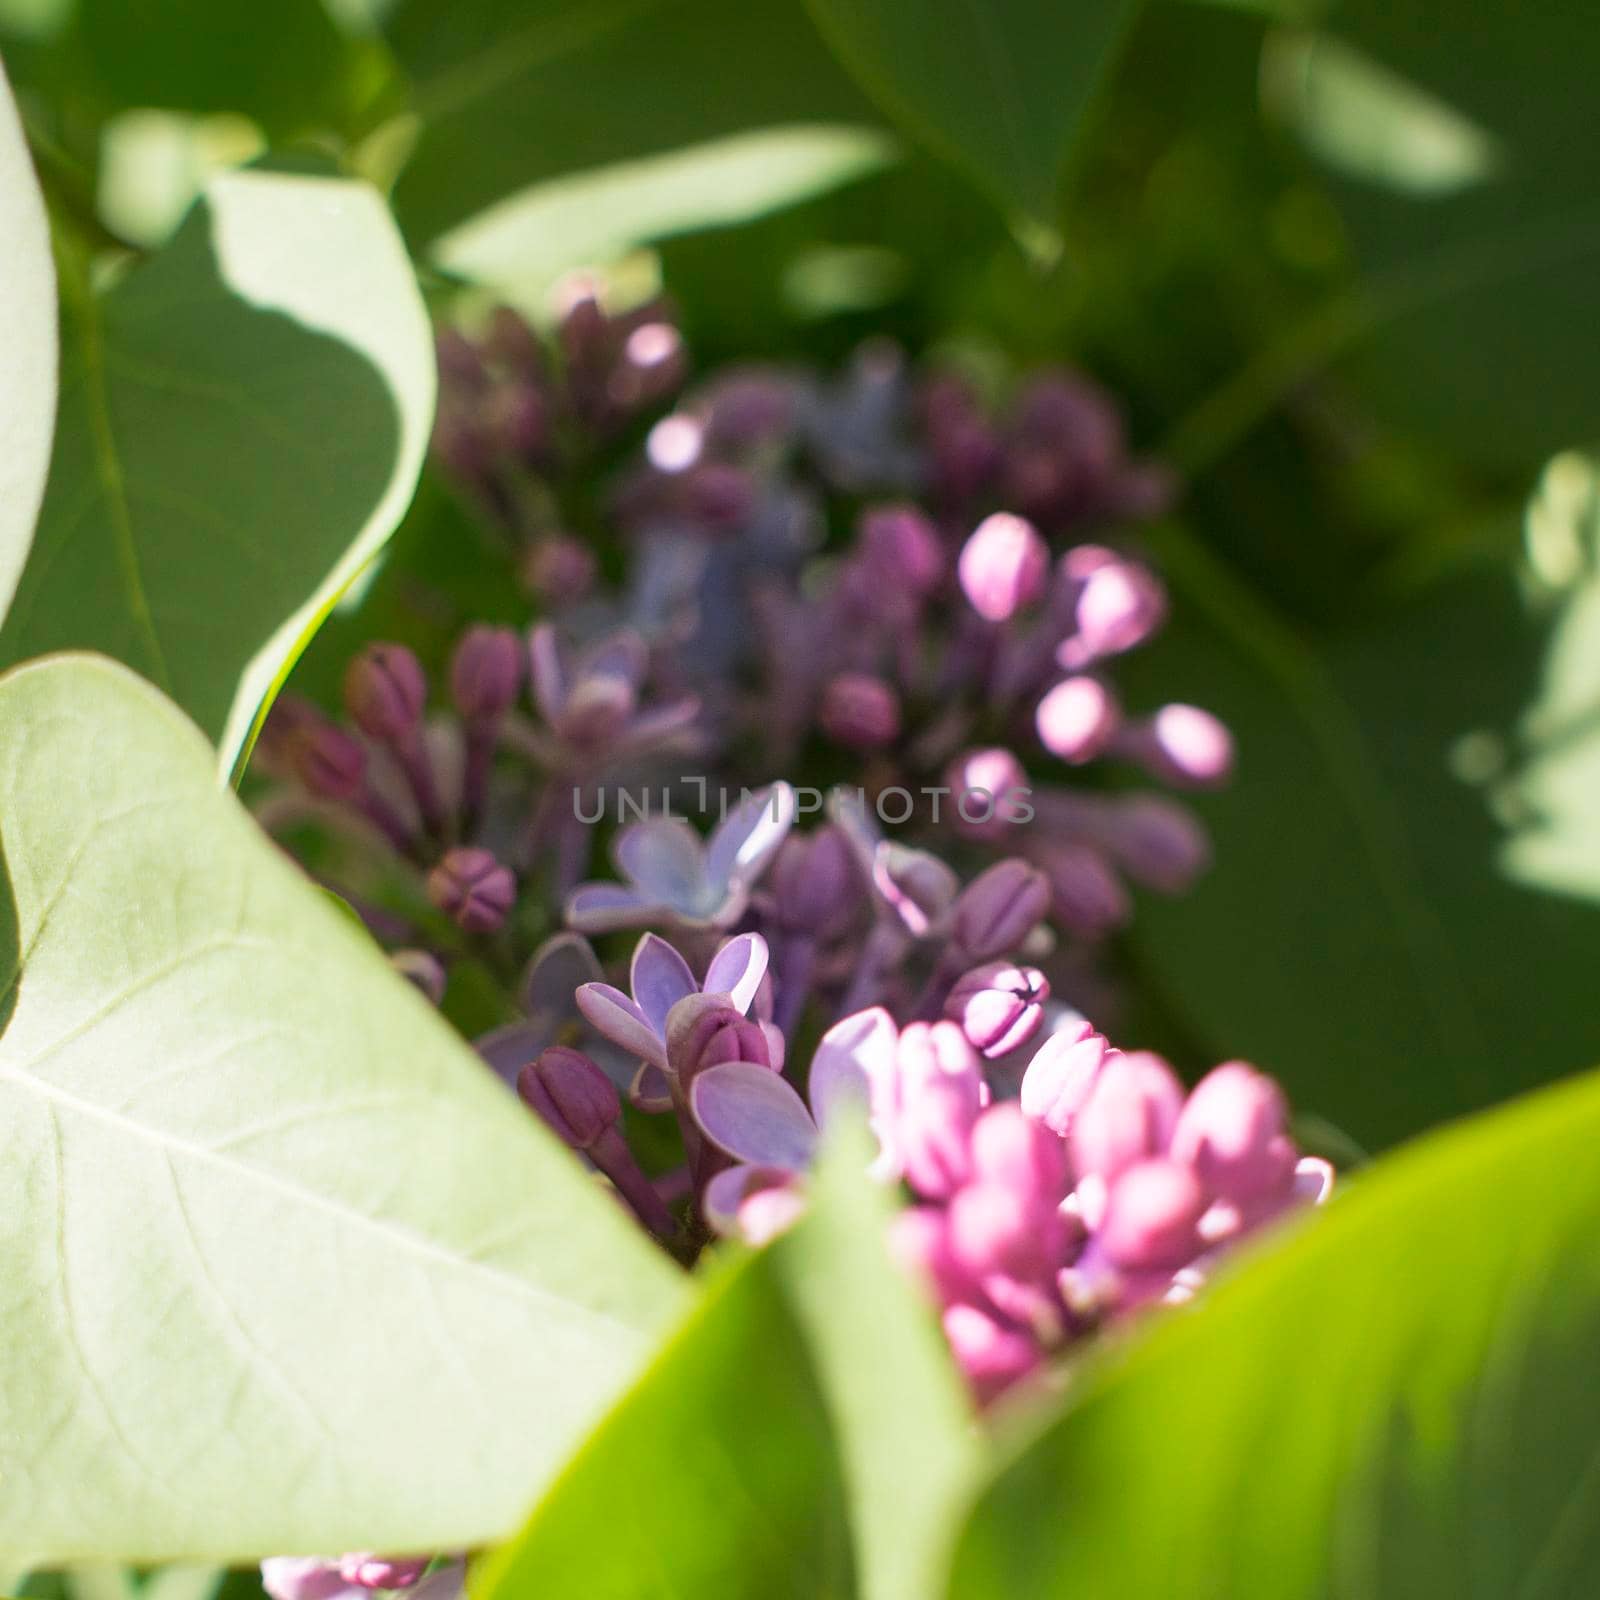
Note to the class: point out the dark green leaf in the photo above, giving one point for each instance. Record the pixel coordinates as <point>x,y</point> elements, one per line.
<point>1396,1402</point>
<point>999,87</point>
<point>509,99</point>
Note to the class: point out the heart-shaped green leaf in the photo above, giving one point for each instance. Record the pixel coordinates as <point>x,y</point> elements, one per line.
<point>283,1267</point>
<point>1398,1401</point>
<point>242,423</point>
<point>28,337</point>
<point>998,87</point>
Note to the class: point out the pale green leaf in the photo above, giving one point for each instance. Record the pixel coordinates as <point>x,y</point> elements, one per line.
<point>1398,1401</point>
<point>28,338</point>
<point>242,423</point>
<point>283,1268</point>
<point>591,218</point>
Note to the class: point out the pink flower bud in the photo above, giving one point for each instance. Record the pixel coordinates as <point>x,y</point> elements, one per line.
<point>486,672</point>
<point>1152,1217</point>
<point>571,1094</point>
<point>986,787</point>
<point>1233,1132</point>
<point>1120,606</point>
<point>1003,566</point>
<point>1129,1116</point>
<point>1004,1229</point>
<point>1188,745</point>
<point>472,889</point>
<point>1062,1076</point>
<point>992,1356</point>
<point>385,691</point>
<point>380,1572</point>
<point>902,547</point>
<point>860,711</point>
<point>1000,908</point>
<point>1010,1149</point>
<point>515,419</point>
<point>998,1006</point>
<point>1076,719</point>
<point>940,1095</point>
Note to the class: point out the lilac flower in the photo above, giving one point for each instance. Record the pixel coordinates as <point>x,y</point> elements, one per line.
<point>675,877</point>
<point>591,701</point>
<point>356,1576</point>
<point>659,978</point>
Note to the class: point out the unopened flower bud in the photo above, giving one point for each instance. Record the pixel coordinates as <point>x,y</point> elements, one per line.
<point>560,570</point>
<point>1152,1217</point>
<point>814,881</point>
<point>902,547</point>
<point>919,1239</point>
<point>1000,908</point>
<point>940,1095</point>
<point>1088,897</point>
<point>380,1572</point>
<point>998,1006</point>
<point>1003,1228</point>
<point>1185,744</point>
<point>514,420</point>
<point>571,1094</point>
<point>328,761</point>
<point>472,888</point>
<point>302,1578</point>
<point>1120,606</point>
<point>385,691</point>
<point>1010,1149</point>
<point>992,1356</point>
<point>486,672</point>
<point>1062,1076</point>
<point>1003,566</point>
<point>1076,719</point>
<point>986,786</point>
<point>1158,842</point>
<point>860,711</point>
<point>1233,1132</point>
<point>1129,1116</point>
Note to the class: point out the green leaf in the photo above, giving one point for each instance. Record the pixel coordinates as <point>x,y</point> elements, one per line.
<point>529,240</point>
<point>28,337</point>
<point>715,1476</point>
<point>906,1437</point>
<point>998,87</point>
<point>1398,1401</point>
<point>242,423</point>
<point>284,1268</point>
<point>286,64</point>
<point>806,1424</point>
<point>1359,935</point>
<point>1481,288</point>
<point>508,100</point>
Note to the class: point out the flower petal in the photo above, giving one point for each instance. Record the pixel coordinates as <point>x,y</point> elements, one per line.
<point>611,1012</point>
<point>512,1047</point>
<point>558,966</point>
<point>651,1089</point>
<point>753,1115</point>
<point>622,655</point>
<point>737,969</point>
<point>722,1197</point>
<point>659,978</point>
<point>749,836</point>
<point>855,1061</point>
<point>664,857</point>
<point>548,672</point>
<point>605,907</point>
